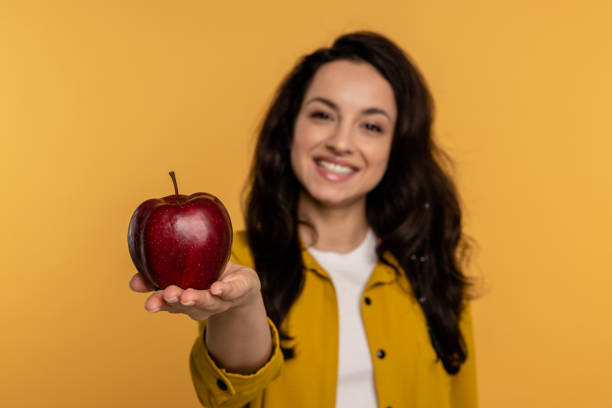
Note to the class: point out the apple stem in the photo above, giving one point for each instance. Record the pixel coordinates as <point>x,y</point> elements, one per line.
<point>175,186</point>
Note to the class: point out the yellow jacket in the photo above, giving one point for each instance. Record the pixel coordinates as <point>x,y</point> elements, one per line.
<point>406,372</point>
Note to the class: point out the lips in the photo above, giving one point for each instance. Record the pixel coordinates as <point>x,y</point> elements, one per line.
<point>334,165</point>
<point>334,170</point>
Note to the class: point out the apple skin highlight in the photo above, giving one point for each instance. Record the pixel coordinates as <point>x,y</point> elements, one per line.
<point>180,240</point>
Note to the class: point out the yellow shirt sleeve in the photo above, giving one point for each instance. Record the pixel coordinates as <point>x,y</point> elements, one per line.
<point>463,385</point>
<point>215,386</point>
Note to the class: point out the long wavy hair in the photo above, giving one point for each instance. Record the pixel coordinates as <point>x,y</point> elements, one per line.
<point>414,210</point>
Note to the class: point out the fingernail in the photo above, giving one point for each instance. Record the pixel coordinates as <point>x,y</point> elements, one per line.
<point>171,300</point>
<point>154,310</point>
<point>216,291</point>
<point>190,303</point>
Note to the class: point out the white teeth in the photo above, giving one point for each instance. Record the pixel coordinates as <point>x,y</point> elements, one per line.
<point>335,168</point>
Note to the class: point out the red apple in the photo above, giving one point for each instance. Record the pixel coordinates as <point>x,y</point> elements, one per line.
<point>180,240</point>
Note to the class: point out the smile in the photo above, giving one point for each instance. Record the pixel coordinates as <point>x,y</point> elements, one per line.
<point>335,168</point>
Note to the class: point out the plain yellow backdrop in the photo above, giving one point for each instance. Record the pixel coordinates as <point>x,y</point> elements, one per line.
<point>100,99</point>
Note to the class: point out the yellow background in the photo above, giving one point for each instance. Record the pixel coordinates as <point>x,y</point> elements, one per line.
<point>100,99</point>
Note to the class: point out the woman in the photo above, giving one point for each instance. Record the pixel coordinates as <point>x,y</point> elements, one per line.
<point>346,288</point>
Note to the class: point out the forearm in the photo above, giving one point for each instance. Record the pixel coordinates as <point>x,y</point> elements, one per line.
<point>239,339</point>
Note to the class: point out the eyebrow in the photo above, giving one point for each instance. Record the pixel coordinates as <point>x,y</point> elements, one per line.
<point>367,111</point>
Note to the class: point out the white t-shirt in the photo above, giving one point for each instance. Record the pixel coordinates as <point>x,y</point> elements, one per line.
<point>350,272</point>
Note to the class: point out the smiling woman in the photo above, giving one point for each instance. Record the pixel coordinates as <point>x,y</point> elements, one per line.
<point>346,289</point>
<point>343,134</point>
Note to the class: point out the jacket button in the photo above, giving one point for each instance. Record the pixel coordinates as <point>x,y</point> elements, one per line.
<point>367,300</point>
<point>381,353</point>
<point>221,384</point>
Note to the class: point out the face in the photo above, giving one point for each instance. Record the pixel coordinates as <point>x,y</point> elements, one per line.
<point>343,133</point>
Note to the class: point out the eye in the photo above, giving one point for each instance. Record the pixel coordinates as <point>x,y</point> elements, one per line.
<point>320,115</point>
<point>372,127</point>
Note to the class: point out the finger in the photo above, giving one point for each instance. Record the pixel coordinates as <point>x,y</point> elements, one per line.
<point>155,302</point>
<point>172,294</point>
<point>201,300</point>
<point>139,284</point>
<point>190,297</point>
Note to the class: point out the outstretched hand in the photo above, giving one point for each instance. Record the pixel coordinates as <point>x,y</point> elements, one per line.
<point>236,287</point>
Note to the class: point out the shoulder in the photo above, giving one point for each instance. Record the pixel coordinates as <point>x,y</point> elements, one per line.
<point>241,251</point>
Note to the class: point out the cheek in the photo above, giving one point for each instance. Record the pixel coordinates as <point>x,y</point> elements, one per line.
<point>379,162</point>
<point>304,140</point>
<point>379,153</point>
<point>298,155</point>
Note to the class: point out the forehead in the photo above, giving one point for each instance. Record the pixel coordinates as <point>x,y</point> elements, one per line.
<point>352,85</point>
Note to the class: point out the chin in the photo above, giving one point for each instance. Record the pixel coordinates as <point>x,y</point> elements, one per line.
<point>334,200</point>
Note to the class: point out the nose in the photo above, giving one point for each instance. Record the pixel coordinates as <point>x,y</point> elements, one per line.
<point>340,140</point>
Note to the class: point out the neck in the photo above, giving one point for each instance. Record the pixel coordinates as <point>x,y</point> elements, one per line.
<point>338,229</point>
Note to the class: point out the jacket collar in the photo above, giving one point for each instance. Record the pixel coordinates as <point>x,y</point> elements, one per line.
<point>382,273</point>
